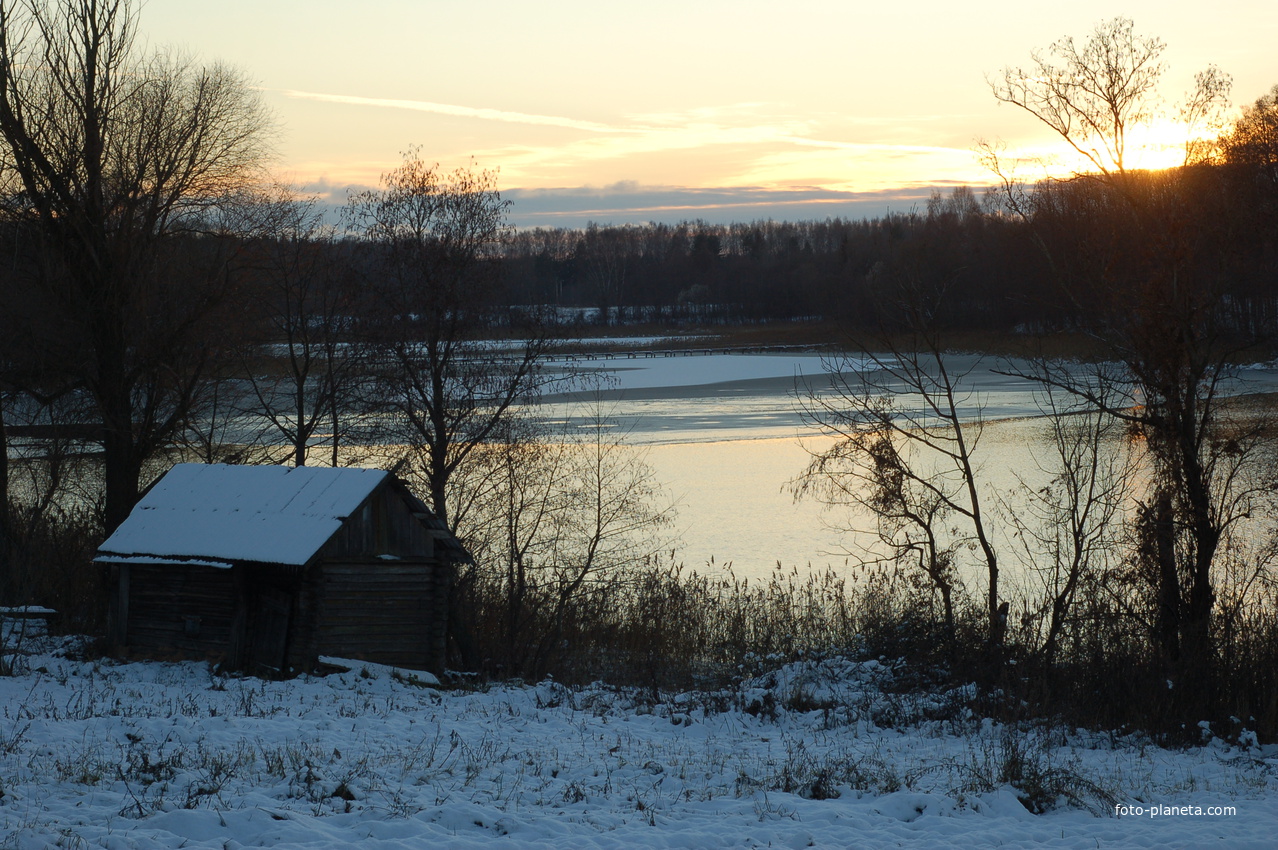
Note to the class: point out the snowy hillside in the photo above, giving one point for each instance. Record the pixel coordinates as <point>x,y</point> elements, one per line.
<point>814,753</point>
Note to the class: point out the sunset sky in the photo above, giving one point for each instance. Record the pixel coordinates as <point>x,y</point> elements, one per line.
<point>672,110</point>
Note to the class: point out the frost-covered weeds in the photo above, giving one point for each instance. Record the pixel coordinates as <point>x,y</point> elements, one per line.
<point>147,738</point>
<point>666,628</point>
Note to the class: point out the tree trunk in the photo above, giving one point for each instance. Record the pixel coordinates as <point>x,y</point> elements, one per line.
<point>121,470</point>
<point>1164,552</point>
<point>6,574</point>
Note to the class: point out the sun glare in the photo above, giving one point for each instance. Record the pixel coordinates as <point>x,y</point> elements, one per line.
<point>1160,144</point>
<point>1152,146</point>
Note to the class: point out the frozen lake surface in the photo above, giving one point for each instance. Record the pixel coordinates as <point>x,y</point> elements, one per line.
<point>725,435</point>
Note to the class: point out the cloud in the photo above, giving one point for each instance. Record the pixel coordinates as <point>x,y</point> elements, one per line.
<point>735,144</point>
<point>460,111</point>
<point>628,201</point>
<point>731,124</point>
<point>708,155</point>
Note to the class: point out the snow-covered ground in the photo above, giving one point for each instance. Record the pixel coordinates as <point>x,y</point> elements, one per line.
<point>814,753</point>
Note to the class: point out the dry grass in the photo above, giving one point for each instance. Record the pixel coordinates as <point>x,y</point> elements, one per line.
<point>662,627</point>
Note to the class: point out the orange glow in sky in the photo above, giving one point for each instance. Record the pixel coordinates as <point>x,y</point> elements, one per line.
<point>673,100</point>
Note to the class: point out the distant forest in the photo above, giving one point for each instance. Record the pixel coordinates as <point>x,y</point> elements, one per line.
<point>1010,259</point>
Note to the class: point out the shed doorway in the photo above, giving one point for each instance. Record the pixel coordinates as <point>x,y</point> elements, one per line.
<point>271,611</point>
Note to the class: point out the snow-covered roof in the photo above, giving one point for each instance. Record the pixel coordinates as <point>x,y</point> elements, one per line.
<point>217,512</point>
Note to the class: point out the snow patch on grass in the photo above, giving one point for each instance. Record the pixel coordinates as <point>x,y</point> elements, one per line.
<point>820,752</point>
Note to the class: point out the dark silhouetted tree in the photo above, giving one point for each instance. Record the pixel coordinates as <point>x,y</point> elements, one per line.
<point>106,152</point>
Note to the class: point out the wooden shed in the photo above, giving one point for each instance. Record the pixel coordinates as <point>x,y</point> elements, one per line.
<point>268,568</point>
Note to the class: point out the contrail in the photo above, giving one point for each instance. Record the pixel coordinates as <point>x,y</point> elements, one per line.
<point>461,111</point>
<point>764,134</point>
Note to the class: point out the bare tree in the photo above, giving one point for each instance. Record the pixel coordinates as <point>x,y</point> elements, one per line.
<point>1095,94</point>
<point>1252,140</point>
<point>615,519</point>
<point>606,255</point>
<point>524,507</point>
<point>1069,528</point>
<point>880,472</point>
<point>1144,273</point>
<point>1204,114</point>
<point>107,153</point>
<point>303,375</point>
<point>1091,95</point>
<point>443,387</point>
<point>906,428</point>
<point>569,516</point>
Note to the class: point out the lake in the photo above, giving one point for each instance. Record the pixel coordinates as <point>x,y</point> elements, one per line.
<point>724,435</point>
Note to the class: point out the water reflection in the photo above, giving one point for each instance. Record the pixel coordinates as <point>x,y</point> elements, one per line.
<point>725,435</point>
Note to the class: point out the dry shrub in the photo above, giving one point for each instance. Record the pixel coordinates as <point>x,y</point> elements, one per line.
<point>49,562</point>
<point>664,627</point>
<point>661,625</point>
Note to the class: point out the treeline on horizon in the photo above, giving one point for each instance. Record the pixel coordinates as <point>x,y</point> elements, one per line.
<point>985,262</point>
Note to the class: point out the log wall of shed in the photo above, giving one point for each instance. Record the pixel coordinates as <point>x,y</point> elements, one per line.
<point>182,609</point>
<point>384,525</point>
<point>388,612</point>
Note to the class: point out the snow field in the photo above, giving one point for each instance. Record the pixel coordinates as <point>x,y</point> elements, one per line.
<point>811,753</point>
